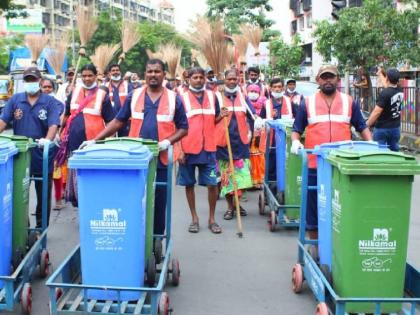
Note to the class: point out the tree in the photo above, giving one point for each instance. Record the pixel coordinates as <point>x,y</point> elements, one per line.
<point>286,59</point>
<point>7,44</point>
<point>372,34</point>
<point>12,10</point>
<point>236,12</point>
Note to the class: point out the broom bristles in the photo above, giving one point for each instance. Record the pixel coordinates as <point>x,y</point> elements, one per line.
<point>130,35</point>
<point>57,54</point>
<point>153,55</point>
<point>103,56</point>
<point>198,57</point>
<point>86,24</point>
<point>210,38</point>
<point>253,35</point>
<point>171,54</point>
<point>241,44</point>
<point>36,43</point>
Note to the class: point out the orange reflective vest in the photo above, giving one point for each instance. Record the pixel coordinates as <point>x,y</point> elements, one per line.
<point>122,92</point>
<point>92,113</point>
<point>201,123</point>
<point>164,117</point>
<point>238,108</point>
<point>286,108</point>
<point>327,124</point>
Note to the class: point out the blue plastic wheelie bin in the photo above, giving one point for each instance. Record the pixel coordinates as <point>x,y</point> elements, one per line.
<point>7,151</point>
<point>112,181</point>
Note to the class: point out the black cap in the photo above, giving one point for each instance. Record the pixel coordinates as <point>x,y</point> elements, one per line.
<point>393,75</point>
<point>32,72</point>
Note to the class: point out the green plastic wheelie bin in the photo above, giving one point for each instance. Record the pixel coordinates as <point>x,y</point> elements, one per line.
<point>371,199</point>
<point>150,198</point>
<point>21,181</point>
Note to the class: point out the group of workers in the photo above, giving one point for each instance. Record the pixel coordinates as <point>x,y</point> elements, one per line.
<point>198,117</point>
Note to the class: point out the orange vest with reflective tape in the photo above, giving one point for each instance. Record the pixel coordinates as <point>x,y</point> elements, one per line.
<point>201,123</point>
<point>286,107</point>
<point>92,113</point>
<point>238,108</point>
<point>327,124</point>
<point>122,92</point>
<point>164,117</point>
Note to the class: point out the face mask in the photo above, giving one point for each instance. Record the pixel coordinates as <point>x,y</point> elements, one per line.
<point>117,78</point>
<point>31,87</point>
<point>52,94</point>
<point>290,91</point>
<point>89,87</point>
<point>231,91</point>
<point>197,90</point>
<point>277,94</point>
<point>329,90</point>
<point>253,80</point>
<point>253,96</point>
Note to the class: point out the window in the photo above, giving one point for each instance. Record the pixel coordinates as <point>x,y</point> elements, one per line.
<point>293,27</point>
<point>309,20</point>
<point>301,23</point>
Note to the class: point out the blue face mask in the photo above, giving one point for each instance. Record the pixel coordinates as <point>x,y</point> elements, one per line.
<point>31,87</point>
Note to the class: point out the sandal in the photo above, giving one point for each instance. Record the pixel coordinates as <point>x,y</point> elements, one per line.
<point>228,215</point>
<point>215,228</point>
<point>194,227</point>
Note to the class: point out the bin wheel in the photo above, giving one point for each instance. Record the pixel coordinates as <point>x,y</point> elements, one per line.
<point>326,272</point>
<point>272,221</point>
<point>176,272</point>
<point>297,278</point>
<point>151,271</point>
<point>313,251</point>
<point>17,258</point>
<point>322,309</point>
<point>158,250</point>
<point>163,307</point>
<point>261,203</point>
<point>32,238</point>
<point>44,264</point>
<point>26,299</point>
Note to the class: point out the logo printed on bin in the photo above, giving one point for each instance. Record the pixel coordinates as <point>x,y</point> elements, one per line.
<point>322,197</point>
<point>380,243</point>
<point>110,222</point>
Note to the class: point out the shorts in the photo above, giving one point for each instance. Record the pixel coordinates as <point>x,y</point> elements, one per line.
<point>207,175</point>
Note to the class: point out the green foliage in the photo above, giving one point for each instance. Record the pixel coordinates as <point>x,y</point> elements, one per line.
<point>8,43</point>
<point>286,59</point>
<point>12,10</point>
<point>235,12</point>
<point>368,35</point>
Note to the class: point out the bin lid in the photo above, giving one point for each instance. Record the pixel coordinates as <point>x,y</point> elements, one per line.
<point>380,162</point>
<point>22,143</point>
<point>7,149</point>
<point>111,156</point>
<point>325,148</point>
<point>281,124</point>
<point>151,144</point>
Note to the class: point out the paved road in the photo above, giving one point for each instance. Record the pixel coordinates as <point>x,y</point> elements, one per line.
<point>222,274</point>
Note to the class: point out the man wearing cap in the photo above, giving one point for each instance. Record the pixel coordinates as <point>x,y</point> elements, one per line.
<point>386,116</point>
<point>37,116</point>
<point>327,117</point>
<point>66,88</point>
<point>211,83</point>
<point>254,78</point>
<point>291,99</point>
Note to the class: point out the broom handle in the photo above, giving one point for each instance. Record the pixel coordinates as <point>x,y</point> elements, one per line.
<point>75,71</point>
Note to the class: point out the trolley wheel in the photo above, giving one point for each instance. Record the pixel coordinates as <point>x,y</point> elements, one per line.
<point>261,203</point>
<point>313,251</point>
<point>17,258</point>
<point>326,272</point>
<point>163,307</point>
<point>176,272</point>
<point>26,299</point>
<point>322,309</point>
<point>297,278</point>
<point>158,250</point>
<point>272,221</point>
<point>32,238</point>
<point>151,271</point>
<point>44,264</point>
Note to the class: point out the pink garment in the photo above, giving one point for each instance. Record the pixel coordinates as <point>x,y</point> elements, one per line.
<point>259,104</point>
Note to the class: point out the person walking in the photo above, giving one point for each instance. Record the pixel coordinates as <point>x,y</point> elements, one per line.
<point>386,116</point>
<point>156,113</point>
<point>199,147</point>
<point>327,116</point>
<point>291,98</point>
<point>34,115</point>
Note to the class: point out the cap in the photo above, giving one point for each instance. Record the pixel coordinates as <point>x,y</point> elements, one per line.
<point>209,70</point>
<point>290,80</point>
<point>327,69</point>
<point>393,75</point>
<point>32,72</point>
<point>70,70</point>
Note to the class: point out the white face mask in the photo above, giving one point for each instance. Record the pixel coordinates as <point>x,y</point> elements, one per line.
<point>253,96</point>
<point>290,91</point>
<point>197,90</point>
<point>277,94</point>
<point>90,87</point>
<point>116,78</point>
<point>31,87</point>
<point>253,82</point>
<point>231,91</point>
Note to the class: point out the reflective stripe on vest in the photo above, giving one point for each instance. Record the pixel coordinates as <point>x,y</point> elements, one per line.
<point>160,118</point>
<point>189,111</point>
<point>314,118</point>
<point>96,109</point>
<point>286,111</point>
<point>269,109</point>
<point>122,93</point>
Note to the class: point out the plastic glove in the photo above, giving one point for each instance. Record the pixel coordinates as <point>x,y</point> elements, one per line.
<point>164,145</point>
<point>296,146</point>
<point>258,123</point>
<point>86,144</point>
<point>42,142</point>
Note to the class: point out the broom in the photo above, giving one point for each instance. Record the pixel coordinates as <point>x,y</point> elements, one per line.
<point>103,56</point>
<point>36,43</point>
<point>210,38</point>
<point>87,26</point>
<point>198,58</point>
<point>130,36</point>
<point>241,44</point>
<point>56,55</point>
<point>153,55</point>
<point>171,54</point>
<point>253,35</point>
